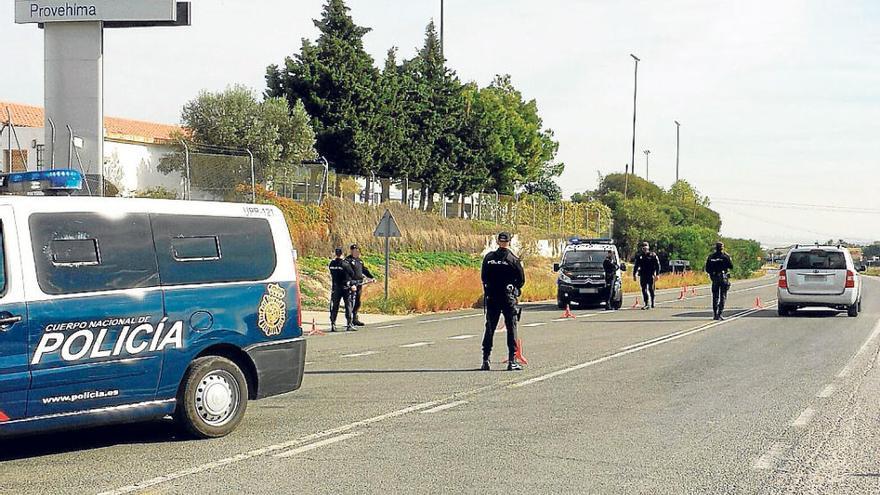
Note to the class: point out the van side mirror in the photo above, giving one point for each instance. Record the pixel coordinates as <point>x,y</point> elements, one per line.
<point>555,267</point>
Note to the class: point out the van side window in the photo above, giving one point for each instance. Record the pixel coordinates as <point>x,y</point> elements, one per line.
<point>202,249</point>
<point>75,252</point>
<point>90,252</point>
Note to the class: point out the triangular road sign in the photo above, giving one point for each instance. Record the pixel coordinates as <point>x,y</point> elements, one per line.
<point>387,226</point>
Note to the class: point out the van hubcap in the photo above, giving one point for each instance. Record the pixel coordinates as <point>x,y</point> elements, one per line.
<point>217,397</point>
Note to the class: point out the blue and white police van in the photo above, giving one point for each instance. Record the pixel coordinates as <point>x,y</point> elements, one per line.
<point>120,310</point>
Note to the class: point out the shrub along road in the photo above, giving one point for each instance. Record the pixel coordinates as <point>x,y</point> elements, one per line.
<point>662,401</point>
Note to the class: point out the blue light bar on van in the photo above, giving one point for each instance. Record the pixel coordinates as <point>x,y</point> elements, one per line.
<point>59,181</point>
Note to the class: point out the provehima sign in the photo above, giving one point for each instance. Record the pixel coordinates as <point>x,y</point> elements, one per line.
<point>30,11</point>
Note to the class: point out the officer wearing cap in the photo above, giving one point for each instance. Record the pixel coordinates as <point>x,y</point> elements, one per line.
<point>341,274</point>
<point>718,266</point>
<point>503,278</point>
<point>647,268</point>
<point>361,274</point>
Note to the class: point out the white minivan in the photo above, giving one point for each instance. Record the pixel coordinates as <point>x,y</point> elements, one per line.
<point>819,276</point>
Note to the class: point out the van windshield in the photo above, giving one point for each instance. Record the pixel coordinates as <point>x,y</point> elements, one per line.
<point>817,259</point>
<point>583,259</point>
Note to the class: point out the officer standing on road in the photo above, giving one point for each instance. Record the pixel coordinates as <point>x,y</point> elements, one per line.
<point>361,274</point>
<point>647,269</point>
<point>503,278</point>
<point>718,266</point>
<point>610,266</point>
<point>341,274</point>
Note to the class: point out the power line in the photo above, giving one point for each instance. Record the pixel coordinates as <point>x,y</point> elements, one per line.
<point>795,206</point>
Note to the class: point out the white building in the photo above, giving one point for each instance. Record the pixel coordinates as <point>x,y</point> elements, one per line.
<point>132,149</point>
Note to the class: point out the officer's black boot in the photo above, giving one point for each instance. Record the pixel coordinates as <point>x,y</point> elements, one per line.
<point>512,365</point>
<point>485,365</point>
<point>333,327</point>
<point>350,328</point>
<point>357,322</point>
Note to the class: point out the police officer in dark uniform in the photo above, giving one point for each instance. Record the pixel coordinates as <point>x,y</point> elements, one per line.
<point>503,278</point>
<point>361,273</point>
<point>341,274</point>
<point>718,266</point>
<point>610,266</point>
<point>647,268</point>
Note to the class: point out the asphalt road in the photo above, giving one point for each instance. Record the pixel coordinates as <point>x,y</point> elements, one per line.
<point>647,402</point>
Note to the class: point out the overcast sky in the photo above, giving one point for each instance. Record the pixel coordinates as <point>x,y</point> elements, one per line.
<point>779,101</point>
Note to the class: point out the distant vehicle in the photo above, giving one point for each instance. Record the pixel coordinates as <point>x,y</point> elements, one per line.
<point>819,276</point>
<point>679,266</point>
<point>581,275</point>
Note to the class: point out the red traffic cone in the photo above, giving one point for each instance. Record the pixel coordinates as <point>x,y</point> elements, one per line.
<point>518,354</point>
<point>315,330</point>
<point>758,304</point>
<point>681,294</point>
<point>693,291</point>
<point>567,313</point>
<point>636,304</point>
<point>502,328</point>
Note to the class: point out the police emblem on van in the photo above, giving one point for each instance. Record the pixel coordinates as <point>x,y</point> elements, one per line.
<point>273,310</point>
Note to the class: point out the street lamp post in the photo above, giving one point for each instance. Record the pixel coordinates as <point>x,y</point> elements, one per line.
<point>677,141</point>
<point>632,158</point>
<point>647,152</point>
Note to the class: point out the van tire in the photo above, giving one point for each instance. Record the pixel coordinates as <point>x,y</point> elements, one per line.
<point>853,310</point>
<point>211,378</point>
<point>783,310</point>
<point>560,303</point>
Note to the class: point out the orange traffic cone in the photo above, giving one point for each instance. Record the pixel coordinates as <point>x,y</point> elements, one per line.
<point>693,291</point>
<point>518,354</point>
<point>636,304</point>
<point>567,313</point>
<point>315,330</point>
<point>681,294</point>
<point>758,304</point>
<point>502,328</point>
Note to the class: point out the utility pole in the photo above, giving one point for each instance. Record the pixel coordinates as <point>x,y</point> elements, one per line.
<point>442,12</point>
<point>677,142</point>
<point>632,158</point>
<point>647,152</point>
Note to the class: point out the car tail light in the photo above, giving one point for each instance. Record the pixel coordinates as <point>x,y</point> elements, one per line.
<point>783,280</point>
<point>850,280</point>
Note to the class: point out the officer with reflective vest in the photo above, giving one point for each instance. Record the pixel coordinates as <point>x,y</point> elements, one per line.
<point>361,274</point>
<point>503,279</point>
<point>342,275</point>
<point>718,266</point>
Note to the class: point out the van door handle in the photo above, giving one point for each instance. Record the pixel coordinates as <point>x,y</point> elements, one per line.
<point>7,320</point>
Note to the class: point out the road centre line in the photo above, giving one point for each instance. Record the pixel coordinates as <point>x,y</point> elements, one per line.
<point>444,407</point>
<point>804,418</point>
<point>313,446</point>
<point>534,324</point>
<point>462,337</point>
<point>422,322</point>
<point>266,450</point>
<point>645,345</point>
<point>360,354</point>
<point>772,457</point>
<point>416,344</point>
<point>395,325</point>
<point>705,296</point>
<point>827,392</point>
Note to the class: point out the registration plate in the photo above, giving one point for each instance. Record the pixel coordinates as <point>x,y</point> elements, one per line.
<point>815,278</point>
<point>588,291</point>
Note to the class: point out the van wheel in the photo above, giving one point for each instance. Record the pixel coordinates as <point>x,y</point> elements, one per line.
<point>783,310</point>
<point>212,398</point>
<point>617,304</point>
<point>853,310</point>
<point>559,302</point>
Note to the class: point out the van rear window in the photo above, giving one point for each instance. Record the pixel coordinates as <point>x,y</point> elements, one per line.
<point>817,259</point>
<point>203,249</point>
<point>89,252</point>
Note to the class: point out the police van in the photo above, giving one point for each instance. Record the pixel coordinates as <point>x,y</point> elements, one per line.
<point>120,310</point>
<point>581,274</point>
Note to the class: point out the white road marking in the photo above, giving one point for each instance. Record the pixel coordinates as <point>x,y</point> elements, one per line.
<point>563,319</point>
<point>461,337</point>
<point>662,337</point>
<point>390,326</point>
<point>416,344</point>
<point>804,419</point>
<point>534,324</point>
<point>265,450</point>
<point>316,445</point>
<point>642,347</point>
<point>360,354</point>
<point>308,363</point>
<point>827,392</point>
<point>448,319</point>
<point>771,458</point>
<point>588,315</point>
<point>445,407</point>
<point>848,369</point>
